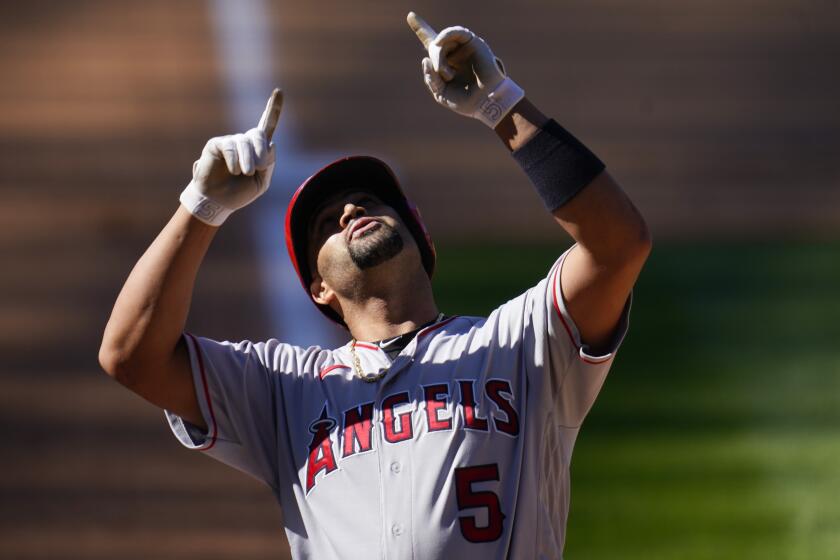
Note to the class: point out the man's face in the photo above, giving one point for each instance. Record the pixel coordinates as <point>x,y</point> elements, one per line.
<point>354,229</point>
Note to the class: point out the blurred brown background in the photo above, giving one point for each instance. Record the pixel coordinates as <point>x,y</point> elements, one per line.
<point>720,119</point>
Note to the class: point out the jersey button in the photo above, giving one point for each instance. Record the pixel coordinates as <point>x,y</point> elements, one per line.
<point>396,467</point>
<point>397,529</point>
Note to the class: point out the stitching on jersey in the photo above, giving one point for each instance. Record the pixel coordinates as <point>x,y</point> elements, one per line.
<point>214,430</point>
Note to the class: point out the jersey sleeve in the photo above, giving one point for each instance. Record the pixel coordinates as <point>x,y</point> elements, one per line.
<point>236,386</point>
<point>556,358</point>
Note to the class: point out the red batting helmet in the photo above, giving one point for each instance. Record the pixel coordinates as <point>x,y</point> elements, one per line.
<point>362,173</point>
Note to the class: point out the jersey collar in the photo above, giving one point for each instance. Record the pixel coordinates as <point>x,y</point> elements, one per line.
<point>375,359</point>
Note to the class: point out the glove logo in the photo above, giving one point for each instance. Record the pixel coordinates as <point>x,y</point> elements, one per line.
<point>491,110</point>
<point>207,210</point>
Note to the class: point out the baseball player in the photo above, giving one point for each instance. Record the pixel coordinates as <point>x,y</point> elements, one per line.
<point>425,435</point>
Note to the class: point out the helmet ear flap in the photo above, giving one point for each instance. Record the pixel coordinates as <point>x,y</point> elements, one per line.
<point>415,211</point>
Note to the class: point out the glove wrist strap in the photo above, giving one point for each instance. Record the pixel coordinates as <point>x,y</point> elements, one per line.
<point>498,104</point>
<point>206,210</point>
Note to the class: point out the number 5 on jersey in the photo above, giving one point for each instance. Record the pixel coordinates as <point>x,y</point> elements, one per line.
<point>469,498</point>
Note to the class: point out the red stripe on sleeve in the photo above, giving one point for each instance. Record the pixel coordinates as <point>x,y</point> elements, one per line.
<point>213,428</point>
<point>555,293</point>
<point>555,288</point>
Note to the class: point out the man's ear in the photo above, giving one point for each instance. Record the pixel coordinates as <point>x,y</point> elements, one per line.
<point>320,291</point>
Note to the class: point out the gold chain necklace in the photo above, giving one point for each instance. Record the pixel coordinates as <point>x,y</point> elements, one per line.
<point>358,367</point>
<point>374,377</point>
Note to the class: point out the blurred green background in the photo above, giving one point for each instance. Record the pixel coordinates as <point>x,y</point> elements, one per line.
<point>717,433</point>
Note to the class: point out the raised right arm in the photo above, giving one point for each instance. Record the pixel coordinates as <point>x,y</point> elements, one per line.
<point>142,347</point>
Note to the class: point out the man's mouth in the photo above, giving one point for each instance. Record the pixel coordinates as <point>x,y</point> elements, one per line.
<point>361,227</point>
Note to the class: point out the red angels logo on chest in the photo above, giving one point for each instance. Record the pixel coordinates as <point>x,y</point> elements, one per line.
<point>321,457</point>
<point>395,416</point>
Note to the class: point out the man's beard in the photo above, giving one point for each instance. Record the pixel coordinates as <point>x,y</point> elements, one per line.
<point>376,247</point>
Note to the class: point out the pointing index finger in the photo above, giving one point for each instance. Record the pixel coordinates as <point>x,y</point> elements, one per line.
<point>268,121</point>
<point>424,31</point>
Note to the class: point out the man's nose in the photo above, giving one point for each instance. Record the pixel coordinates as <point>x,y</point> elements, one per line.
<point>351,211</point>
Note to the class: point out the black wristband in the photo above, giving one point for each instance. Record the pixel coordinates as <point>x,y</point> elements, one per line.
<point>557,164</point>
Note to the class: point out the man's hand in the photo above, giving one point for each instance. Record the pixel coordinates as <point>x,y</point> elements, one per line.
<point>462,73</point>
<point>233,170</point>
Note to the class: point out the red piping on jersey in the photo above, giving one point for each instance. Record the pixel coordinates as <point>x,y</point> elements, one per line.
<point>326,370</point>
<point>212,433</point>
<point>555,284</point>
<point>367,346</point>
<point>427,330</point>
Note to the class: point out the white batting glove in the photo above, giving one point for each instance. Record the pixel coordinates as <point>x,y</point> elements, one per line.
<point>463,75</point>
<point>233,170</point>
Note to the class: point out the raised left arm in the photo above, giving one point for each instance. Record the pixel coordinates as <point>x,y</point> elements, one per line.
<point>613,242</point>
<point>612,238</point>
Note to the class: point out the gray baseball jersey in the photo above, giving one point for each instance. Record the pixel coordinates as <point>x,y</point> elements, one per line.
<point>462,449</point>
